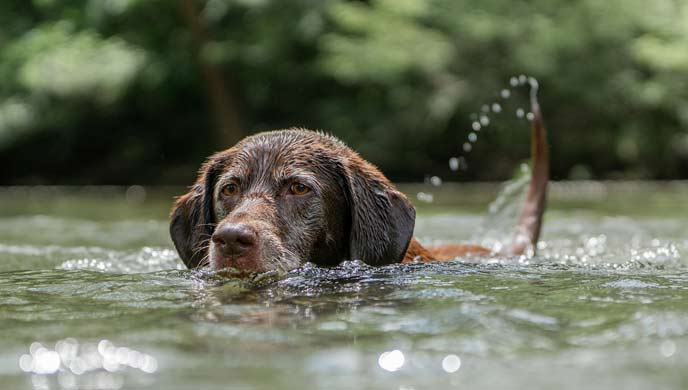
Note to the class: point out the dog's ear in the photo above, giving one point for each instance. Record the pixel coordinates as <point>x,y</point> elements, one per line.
<point>382,218</point>
<point>192,220</point>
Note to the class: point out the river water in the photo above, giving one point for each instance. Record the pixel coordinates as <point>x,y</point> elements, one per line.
<point>92,295</point>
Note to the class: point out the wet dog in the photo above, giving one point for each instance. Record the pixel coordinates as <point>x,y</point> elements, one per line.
<point>279,199</point>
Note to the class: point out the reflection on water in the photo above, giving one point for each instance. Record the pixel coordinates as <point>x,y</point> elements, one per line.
<point>79,359</point>
<point>391,360</point>
<point>604,304</point>
<point>86,365</point>
<point>451,363</point>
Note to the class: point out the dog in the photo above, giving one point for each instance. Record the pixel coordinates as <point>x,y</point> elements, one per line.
<point>279,199</point>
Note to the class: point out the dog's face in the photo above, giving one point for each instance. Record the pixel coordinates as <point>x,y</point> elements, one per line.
<point>279,199</point>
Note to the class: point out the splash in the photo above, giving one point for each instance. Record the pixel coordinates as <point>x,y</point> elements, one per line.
<point>496,230</point>
<point>482,120</point>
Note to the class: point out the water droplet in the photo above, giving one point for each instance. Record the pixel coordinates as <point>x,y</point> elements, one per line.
<point>484,120</point>
<point>436,181</point>
<point>496,107</point>
<point>472,137</point>
<point>463,165</point>
<point>520,112</point>
<point>467,147</point>
<point>476,126</point>
<point>513,81</point>
<point>530,116</point>
<point>454,164</point>
<point>505,93</point>
<point>533,82</point>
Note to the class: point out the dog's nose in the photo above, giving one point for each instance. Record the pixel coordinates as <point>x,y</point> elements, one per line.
<point>234,239</point>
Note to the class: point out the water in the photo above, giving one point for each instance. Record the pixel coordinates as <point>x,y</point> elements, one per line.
<point>482,120</point>
<point>93,296</point>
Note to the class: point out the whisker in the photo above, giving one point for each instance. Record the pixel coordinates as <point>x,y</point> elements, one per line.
<point>205,261</point>
<point>201,251</point>
<point>206,224</point>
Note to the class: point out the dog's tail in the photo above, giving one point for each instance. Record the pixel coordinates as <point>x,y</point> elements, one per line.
<point>529,223</point>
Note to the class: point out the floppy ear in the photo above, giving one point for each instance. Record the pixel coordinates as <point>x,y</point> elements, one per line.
<point>193,219</point>
<point>382,218</point>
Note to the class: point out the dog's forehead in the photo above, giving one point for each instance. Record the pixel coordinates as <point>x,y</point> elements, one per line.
<point>291,141</point>
<point>285,153</point>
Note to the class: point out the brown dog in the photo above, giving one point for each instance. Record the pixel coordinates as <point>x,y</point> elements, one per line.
<point>282,198</point>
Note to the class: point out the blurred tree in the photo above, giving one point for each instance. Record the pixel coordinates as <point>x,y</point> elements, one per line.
<point>229,129</point>
<point>116,91</point>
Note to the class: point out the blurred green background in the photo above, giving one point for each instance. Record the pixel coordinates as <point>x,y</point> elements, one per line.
<point>141,91</point>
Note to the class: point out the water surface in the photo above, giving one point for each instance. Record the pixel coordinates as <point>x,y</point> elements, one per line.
<point>93,295</point>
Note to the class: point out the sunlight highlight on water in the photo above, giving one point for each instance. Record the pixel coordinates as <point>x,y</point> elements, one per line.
<point>391,360</point>
<point>83,365</point>
<point>144,260</point>
<point>78,358</point>
<point>451,363</point>
<point>603,287</point>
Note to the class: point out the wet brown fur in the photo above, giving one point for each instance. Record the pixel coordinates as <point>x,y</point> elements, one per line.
<point>355,212</point>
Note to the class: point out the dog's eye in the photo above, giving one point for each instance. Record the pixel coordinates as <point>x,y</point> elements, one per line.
<point>299,189</point>
<point>230,189</point>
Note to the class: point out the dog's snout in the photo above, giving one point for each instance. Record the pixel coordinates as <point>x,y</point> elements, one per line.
<point>235,239</point>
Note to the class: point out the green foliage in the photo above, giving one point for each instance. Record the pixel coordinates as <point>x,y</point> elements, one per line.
<point>54,60</point>
<point>382,43</point>
<point>110,91</point>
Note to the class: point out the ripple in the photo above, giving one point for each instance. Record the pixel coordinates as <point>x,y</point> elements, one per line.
<point>144,260</point>
<point>630,284</point>
<point>601,289</point>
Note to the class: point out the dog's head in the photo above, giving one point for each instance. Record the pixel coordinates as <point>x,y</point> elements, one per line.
<point>279,199</point>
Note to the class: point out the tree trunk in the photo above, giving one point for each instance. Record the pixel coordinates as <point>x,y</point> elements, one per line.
<point>228,129</point>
